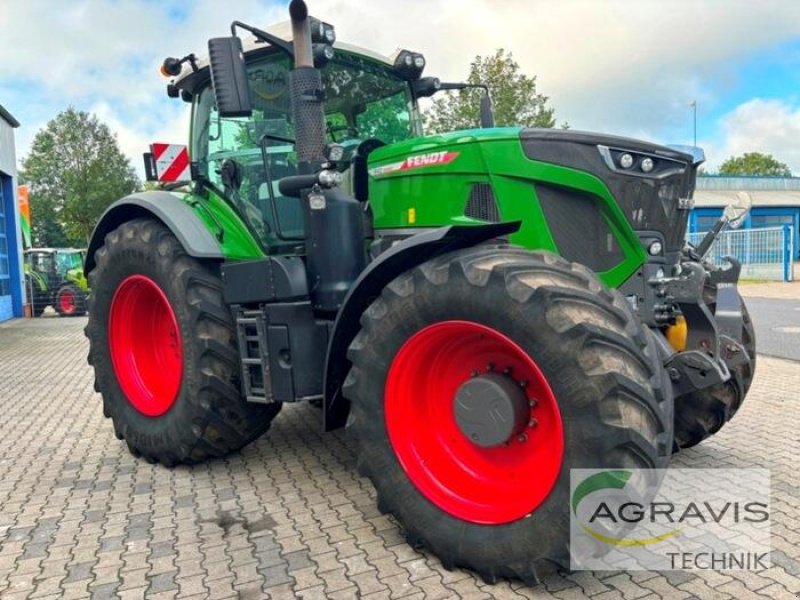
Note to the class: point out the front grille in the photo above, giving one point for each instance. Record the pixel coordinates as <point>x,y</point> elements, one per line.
<point>651,203</point>
<point>579,228</point>
<point>482,204</point>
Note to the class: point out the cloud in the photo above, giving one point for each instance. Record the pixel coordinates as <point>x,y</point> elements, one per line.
<point>617,65</point>
<point>135,135</point>
<point>103,56</point>
<point>768,126</point>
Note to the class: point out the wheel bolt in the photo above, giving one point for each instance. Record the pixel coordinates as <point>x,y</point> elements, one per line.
<point>522,438</point>
<point>533,423</point>
<point>507,371</point>
<point>474,373</point>
<point>490,367</point>
<point>523,384</point>
<point>532,402</point>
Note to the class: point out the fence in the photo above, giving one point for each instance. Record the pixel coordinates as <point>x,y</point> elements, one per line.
<point>765,253</point>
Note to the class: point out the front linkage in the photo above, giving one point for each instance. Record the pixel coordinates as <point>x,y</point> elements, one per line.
<point>713,343</point>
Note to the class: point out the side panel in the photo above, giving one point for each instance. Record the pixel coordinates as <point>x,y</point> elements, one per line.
<point>399,258</point>
<point>207,227</point>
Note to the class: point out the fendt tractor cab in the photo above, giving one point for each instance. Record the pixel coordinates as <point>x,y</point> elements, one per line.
<point>54,277</point>
<point>484,309</point>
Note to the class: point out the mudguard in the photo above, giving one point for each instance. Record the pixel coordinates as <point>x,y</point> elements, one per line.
<point>170,210</point>
<point>399,258</point>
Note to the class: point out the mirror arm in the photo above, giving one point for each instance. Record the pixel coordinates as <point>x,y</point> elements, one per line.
<point>705,244</point>
<point>263,36</point>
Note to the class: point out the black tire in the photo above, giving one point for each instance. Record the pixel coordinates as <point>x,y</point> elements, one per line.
<point>39,301</point>
<point>701,414</point>
<point>77,306</point>
<point>602,365</point>
<point>209,417</point>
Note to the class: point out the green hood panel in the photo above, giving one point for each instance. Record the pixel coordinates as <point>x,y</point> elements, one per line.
<point>434,142</point>
<point>428,182</point>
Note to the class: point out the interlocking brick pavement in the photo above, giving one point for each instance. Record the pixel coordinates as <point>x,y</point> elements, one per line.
<point>288,517</point>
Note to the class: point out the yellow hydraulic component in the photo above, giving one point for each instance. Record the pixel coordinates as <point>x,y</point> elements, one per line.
<point>677,334</point>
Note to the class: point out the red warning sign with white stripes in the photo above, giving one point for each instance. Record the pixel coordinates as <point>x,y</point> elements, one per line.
<point>171,162</point>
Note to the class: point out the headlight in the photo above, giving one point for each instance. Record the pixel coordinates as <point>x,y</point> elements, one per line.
<point>409,65</point>
<point>626,161</point>
<point>647,165</point>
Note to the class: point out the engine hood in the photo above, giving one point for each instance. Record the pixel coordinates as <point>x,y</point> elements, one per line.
<point>442,142</point>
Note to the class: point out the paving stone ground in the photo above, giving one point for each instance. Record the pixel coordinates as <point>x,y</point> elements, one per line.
<point>288,517</point>
<point>784,290</point>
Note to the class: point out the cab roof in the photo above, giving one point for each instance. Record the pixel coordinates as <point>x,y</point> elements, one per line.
<point>187,78</point>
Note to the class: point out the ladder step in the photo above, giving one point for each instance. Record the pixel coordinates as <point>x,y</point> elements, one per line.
<point>251,329</point>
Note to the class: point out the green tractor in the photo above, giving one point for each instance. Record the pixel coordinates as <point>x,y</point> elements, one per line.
<point>54,277</point>
<point>484,310</point>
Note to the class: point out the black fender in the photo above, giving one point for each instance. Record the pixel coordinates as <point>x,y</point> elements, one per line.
<point>398,259</point>
<point>167,208</point>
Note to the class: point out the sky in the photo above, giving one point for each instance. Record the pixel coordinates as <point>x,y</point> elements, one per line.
<point>624,67</point>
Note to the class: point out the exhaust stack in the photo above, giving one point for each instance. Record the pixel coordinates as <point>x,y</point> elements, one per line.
<point>334,221</point>
<point>306,93</point>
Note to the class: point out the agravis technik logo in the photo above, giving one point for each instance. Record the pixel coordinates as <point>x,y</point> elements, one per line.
<point>669,519</point>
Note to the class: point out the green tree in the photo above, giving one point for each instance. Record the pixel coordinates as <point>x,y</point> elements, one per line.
<point>754,163</point>
<point>74,170</point>
<point>514,97</point>
<point>46,230</point>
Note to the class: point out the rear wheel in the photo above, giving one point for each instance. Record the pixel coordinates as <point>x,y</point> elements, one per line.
<point>701,414</point>
<point>479,380</point>
<point>162,344</point>
<point>70,301</point>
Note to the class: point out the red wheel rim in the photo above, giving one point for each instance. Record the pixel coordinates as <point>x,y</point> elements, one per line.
<point>66,301</point>
<point>145,344</point>
<point>480,485</point>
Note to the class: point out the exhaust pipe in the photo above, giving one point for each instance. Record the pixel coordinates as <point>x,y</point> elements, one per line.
<point>306,93</point>
<point>301,34</point>
<point>334,221</point>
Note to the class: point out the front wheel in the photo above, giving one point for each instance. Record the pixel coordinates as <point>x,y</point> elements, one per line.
<point>479,380</point>
<point>70,301</point>
<point>162,343</point>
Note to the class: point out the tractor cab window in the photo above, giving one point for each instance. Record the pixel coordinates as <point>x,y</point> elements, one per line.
<point>44,262</point>
<point>364,100</point>
<point>66,261</point>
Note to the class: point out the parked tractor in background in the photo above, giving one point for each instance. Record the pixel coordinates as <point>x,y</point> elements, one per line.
<point>54,277</point>
<point>484,309</point>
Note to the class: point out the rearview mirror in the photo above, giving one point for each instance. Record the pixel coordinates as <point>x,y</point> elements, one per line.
<point>737,211</point>
<point>229,77</point>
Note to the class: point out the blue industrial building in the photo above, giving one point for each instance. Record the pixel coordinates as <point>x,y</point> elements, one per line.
<point>12,293</point>
<point>776,202</point>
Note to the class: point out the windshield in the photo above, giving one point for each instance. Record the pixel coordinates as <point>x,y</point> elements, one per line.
<point>363,100</point>
<point>67,261</point>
